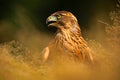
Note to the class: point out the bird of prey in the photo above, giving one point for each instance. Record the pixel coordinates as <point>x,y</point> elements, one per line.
<point>68,39</point>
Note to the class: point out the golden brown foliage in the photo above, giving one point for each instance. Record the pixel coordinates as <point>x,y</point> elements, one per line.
<point>19,60</point>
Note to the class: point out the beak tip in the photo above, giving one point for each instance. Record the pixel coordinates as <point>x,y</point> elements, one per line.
<point>46,21</point>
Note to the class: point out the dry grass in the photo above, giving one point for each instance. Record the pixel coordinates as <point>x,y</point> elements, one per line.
<point>19,60</point>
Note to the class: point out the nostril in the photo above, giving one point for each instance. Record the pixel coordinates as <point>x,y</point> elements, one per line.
<point>49,17</point>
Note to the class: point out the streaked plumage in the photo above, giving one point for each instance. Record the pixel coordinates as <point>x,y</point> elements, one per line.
<point>68,39</point>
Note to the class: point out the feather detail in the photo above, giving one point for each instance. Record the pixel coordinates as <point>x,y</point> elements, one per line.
<point>68,39</point>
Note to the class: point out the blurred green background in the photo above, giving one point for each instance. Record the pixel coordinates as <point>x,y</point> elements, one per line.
<point>38,10</point>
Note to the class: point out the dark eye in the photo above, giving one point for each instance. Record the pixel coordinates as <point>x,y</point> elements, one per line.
<point>58,16</point>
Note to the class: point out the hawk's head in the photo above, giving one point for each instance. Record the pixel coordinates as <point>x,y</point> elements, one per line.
<point>63,20</point>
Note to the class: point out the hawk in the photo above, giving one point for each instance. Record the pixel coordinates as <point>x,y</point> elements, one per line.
<point>68,39</point>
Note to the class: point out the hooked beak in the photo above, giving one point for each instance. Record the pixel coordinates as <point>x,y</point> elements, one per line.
<point>51,20</point>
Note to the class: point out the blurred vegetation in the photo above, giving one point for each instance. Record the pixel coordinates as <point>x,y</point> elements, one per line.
<point>39,10</point>
<point>23,35</point>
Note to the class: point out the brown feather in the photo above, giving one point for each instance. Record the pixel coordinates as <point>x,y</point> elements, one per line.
<point>68,39</point>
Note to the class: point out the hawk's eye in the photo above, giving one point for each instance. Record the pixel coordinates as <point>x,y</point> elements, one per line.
<point>58,16</point>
